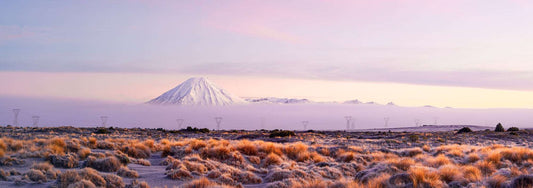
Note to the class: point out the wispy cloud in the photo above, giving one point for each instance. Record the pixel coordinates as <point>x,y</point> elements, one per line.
<point>11,32</point>
<point>511,80</point>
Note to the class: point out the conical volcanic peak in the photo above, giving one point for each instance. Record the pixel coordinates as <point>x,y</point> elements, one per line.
<point>197,91</point>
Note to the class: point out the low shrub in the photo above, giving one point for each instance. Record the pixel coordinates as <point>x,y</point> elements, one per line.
<point>128,173</point>
<point>281,133</point>
<point>108,164</point>
<point>464,130</point>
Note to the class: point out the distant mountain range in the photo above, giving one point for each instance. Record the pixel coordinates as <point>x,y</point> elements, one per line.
<point>201,91</point>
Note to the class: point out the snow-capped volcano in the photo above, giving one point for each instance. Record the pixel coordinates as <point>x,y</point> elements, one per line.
<point>197,91</point>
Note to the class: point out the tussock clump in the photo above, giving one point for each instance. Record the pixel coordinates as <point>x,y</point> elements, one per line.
<point>329,172</point>
<point>73,145</point>
<point>108,164</point>
<point>179,174</point>
<point>412,152</point>
<point>425,177</point>
<point>365,175</point>
<point>137,151</point>
<point>83,177</point>
<point>472,174</point>
<point>449,173</point>
<point>246,147</point>
<point>93,176</point>
<point>403,163</point>
<point>426,148</point>
<point>486,167</point>
<point>137,184</point>
<point>278,175</point>
<point>271,159</point>
<point>401,180</point>
<point>4,175</point>
<point>105,145</point>
<point>379,181</point>
<point>438,161</point>
<point>497,181</point>
<point>82,184</point>
<point>254,160</point>
<point>57,146</point>
<point>3,148</point>
<point>294,151</point>
<point>67,178</point>
<point>523,181</point>
<point>202,183</point>
<point>128,173</point>
<point>195,167</point>
<point>66,161</point>
<point>47,169</point>
<point>36,176</point>
<point>143,162</point>
<point>345,156</point>
<point>113,181</point>
<point>471,158</point>
<point>270,147</point>
<point>84,152</point>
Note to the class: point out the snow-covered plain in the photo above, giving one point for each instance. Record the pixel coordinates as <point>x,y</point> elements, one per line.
<point>55,112</point>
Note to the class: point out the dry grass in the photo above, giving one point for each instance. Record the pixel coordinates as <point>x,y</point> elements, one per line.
<point>449,173</point>
<point>272,159</point>
<point>438,161</point>
<point>317,161</point>
<point>128,173</point>
<point>107,164</point>
<point>202,183</point>
<point>425,177</point>
<point>246,147</point>
<point>472,174</point>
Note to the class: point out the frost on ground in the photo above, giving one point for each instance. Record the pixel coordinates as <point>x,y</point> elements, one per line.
<point>116,157</point>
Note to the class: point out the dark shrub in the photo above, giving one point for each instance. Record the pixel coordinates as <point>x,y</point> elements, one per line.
<point>414,138</point>
<point>513,129</point>
<point>281,133</point>
<point>499,128</point>
<point>464,130</point>
<point>522,181</point>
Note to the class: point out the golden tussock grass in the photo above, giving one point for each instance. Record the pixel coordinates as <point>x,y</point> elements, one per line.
<point>202,183</point>
<point>486,167</point>
<point>423,177</point>
<point>272,159</point>
<point>402,163</point>
<point>270,147</point>
<point>438,161</point>
<point>246,147</point>
<point>449,173</point>
<point>378,182</point>
<point>128,173</point>
<point>471,173</point>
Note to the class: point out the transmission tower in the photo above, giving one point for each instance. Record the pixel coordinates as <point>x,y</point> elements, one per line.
<point>417,122</point>
<point>16,117</point>
<point>35,120</point>
<point>104,120</point>
<point>436,120</point>
<point>386,121</point>
<point>304,123</point>
<point>353,123</point>
<point>180,122</point>
<point>348,119</point>
<point>218,120</point>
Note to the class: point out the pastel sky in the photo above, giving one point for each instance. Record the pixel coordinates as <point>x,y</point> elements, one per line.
<point>380,50</point>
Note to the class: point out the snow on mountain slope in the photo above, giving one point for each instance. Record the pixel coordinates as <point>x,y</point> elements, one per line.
<point>197,91</point>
